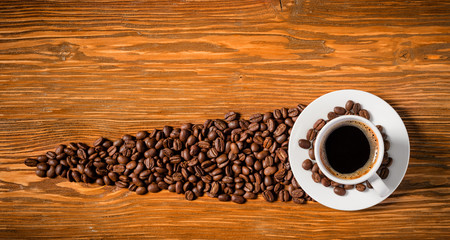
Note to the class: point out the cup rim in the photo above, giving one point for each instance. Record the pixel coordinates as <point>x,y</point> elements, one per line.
<point>378,160</point>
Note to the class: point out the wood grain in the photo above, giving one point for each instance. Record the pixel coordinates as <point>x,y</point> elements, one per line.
<point>76,70</point>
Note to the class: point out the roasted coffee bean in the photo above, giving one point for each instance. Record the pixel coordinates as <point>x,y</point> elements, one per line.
<point>253,127</point>
<point>311,134</point>
<point>51,172</point>
<point>293,112</point>
<point>204,144</point>
<point>220,124</point>
<point>118,142</point>
<point>288,175</point>
<point>277,188</point>
<point>339,191</point>
<point>51,154</point>
<point>284,112</point>
<point>76,176</point>
<point>239,192</point>
<point>258,139</point>
<point>280,174</point>
<point>131,165</point>
<point>179,187</point>
<point>107,181</point>
<point>335,184</point>
<point>219,144</point>
<point>282,154</point>
<point>316,177</point>
<point>290,123</point>
<point>81,153</point>
<point>339,110</point>
<point>121,184</point>
<point>298,200</point>
<point>256,117</point>
<point>215,188</point>
<point>307,164</point>
<point>60,149</point>
<point>356,108</point>
<point>380,128</point>
<point>284,196</point>
<point>332,115</point>
<point>261,155</point>
<point>301,107</point>
<point>90,172</point>
<point>281,139</point>
<point>311,154</point>
<point>277,114</point>
<point>238,199</point>
<point>297,193</point>
<point>98,142</point>
<point>42,166</point>
<point>141,190</point>
<point>387,145</point>
<point>140,146</point>
<point>167,130</point>
<point>270,170</point>
<point>59,169</point>
<point>368,184</point>
<point>138,182</point>
<point>268,181</point>
<point>250,195</point>
<point>196,191</point>
<point>184,135</point>
<point>141,135</point>
<point>113,176</point>
<point>230,116</point>
<point>189,195</point>
<point>119,169</point>
<point>349,186</point>
<point>364,113</point>
<point>42,158</point>
<point>30,162</point>
<point>99,181</point>
<point>53,162</point>
<point>315,168</point>
<point>383,172</point>
<point>303,143</point>
<point>224,197</point>
<point>41,173</point>
<point>268,196</point>
<point>360,187</point>
<point>279,130</point>
<point>153,188</point>
<point>389,162</point>
<point>319,124</point>
<point>326,182</point>
<point>233,124</point>
<point>349,105</point>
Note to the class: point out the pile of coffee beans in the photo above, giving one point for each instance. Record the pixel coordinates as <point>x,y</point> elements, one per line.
<point>351,108</point>
<point>231,159</point>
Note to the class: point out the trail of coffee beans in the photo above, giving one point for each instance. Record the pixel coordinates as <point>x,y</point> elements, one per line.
<point>231,159</point>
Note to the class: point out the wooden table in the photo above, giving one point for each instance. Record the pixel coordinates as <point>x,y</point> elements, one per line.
<point>76,70</point>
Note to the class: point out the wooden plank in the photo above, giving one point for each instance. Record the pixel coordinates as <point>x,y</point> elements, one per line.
<point>76,70</point>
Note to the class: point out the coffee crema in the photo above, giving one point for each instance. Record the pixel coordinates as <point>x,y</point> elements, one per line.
<point>350,150</point>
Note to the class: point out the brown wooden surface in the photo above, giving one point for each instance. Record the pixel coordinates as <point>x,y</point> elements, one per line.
<point>76,70</point>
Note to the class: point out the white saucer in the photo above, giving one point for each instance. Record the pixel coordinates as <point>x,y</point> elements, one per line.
<point>381,113</point>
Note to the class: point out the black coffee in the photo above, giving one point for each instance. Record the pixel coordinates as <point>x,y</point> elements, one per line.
<point>347,149</point>
<point>350,150</point>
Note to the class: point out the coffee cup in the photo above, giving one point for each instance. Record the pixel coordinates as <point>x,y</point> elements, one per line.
<point>349,150</point>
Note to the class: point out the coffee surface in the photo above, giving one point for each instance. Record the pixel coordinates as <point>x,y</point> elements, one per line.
<point>347,149</point>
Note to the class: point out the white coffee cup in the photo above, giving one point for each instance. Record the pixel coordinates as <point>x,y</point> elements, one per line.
<point>369,171</point>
